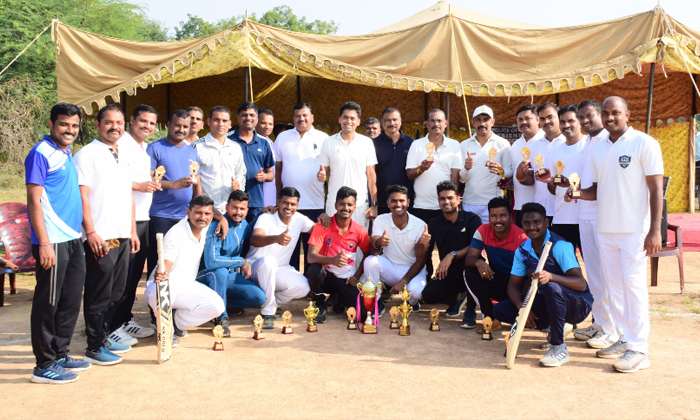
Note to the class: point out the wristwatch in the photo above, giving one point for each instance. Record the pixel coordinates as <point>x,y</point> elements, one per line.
<point>373,204</point>
<point>454,253</point>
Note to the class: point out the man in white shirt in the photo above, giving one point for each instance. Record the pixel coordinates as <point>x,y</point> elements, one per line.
<point>109,228</point>
<point>271,246</point>
<point>193,303</point>
<point>549,122</point>
<point>266,123</point>
<point>524,182</point>
<point>196,124</point>
<point>348,160</point>
<point>628,185</point>
<point>298,162</point>
<point>402,239</point>
<point>481,172</point>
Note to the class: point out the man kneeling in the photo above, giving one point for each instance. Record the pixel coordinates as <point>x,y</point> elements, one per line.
<point>193,303</point>
<point>563,295</point>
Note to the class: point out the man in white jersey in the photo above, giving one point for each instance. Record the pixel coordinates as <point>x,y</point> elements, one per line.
<point>628,184</point>
<point>524,181</point>
<point>266,123</point>
<point>549,122</point>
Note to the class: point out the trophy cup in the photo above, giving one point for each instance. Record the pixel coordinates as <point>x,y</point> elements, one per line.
<point>159,173</point>
<point>405,308</point>
<point>559,167</point>
<point>394,312</point>
<point>575,182</point>
<point>286,320</point>
<point>539,160</point>
<point>194,168</point>
<point>310,314</point>
<point>352,313</point>
<point>218,333</point>
<point>492,154</point>
<point>430,148</point>
<point>258,321</point>
<point>369,292</point>
<point>111,244</point>
<point>526,154</point>
<point>434,315</point>
<point>488,327</point>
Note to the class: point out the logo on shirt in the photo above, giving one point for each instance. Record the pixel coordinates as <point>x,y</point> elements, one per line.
<point>625,161</point>
<point>464,230</point>
<point>329,242</point>
<point>351,246</point>
<point>259,150</point>
<point>315,146</point>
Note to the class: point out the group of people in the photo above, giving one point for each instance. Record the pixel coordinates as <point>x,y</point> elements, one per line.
<point>237,209</point>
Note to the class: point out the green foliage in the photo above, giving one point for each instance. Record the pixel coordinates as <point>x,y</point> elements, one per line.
<point>24,118</point>
<point>194,28</point>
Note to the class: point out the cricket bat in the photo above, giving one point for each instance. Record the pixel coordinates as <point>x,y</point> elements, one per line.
<point>165,311</point>
<point>517,330</point>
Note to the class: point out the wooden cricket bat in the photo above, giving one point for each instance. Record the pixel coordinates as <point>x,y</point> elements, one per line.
<point>165,311</point>
<point>517,330</point>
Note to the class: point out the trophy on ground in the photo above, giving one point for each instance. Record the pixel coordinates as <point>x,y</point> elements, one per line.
<point>539,160</point>
<point>158,174</point>
<point>575,182</point>
<point>394,312</point>
<point>194,168</point>
<point>287,320</point>
<point>310,313</point>
<point>434,315</point>
<point>258,321</point>
<point>488,328</point>
<point>370,296</point>
<point>559,168</point>
<point>430,148</point>
<point>352,313</point>
<point>218,333</point>
<point>405,308</point>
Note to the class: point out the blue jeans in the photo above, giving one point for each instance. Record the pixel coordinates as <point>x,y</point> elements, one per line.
<point>235,290</point>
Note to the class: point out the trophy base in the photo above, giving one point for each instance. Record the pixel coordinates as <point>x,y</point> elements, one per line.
<point>557,180</point>
<point>405,331</point>
<point>368,329</point>
<point>352,326</point>
<point>258,335</point>
<point>434,327</point>
<point>218,346</point>
<point>576,194</point>
<point>394,325</point>
<point>311,328</point>
<point>487,336</point>
<point>540,172</point>
<point>287,330</point>
<point>430,159</point>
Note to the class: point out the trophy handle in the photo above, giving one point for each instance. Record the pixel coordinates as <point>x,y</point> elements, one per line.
<point>359,287</point>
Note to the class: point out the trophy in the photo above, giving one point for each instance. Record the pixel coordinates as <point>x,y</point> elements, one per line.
<point>370,294</point>
<point>492,154</point>
<point>218,333</point>
<point>310,314</point>
<point>159,173</point>
<point>111,244</point>
<point>258,321</point>
<point>539,160</point>
<point>526,154</point>
<point>394,312</point>
<point>405,308</point>
<point>434,315</point>
<point>194,168</point>
<point>352,313</point>
<point>559,167</point>
<point>575,182</point>
<point>488,327</point>
<point>430,148</point>
<point>286,320</point>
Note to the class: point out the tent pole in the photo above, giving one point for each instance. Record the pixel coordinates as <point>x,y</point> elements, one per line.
<point>246,82</point>
<point>123,99</point>
<point>651,92</point>
<point>167,99</point>
<point>298,89</point>
<point>447,112</point>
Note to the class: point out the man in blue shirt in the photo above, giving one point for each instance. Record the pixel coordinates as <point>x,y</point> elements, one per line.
<point>257,156</point>
<point>222,261</point>
<point>562,296</point>
<point>55,213</point>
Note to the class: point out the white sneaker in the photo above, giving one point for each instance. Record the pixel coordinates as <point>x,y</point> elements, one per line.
<point>632,361</point>
<point>568,328</point>
<point>137,331</point>
<point>120,336</point>
<point>601,340</point>
<point>586,334</point>
<point>614,351</point>
<point>556,356</point>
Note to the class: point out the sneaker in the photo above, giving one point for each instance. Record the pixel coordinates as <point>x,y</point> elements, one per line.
<point>176,342</point>
<point>601,340</point>
<point>235,312</point>
<point>469,320</point>
<point>180,333</point>
<point>332,298</point>
<point>322,316</point>
<point>382,308</point>
<point>568,328</point>
<point>73,365</point>
<point>224,325</point>
<point>586,334</point>
<point>454,309</point>
<point>278,312</point>
<point>632,361</point>
<point>137,331</point>
<point>416,307</point>
<point>154,322</point>
<point>615,351</point>
<point>269,322</point>
<point>116,348</point>
<point>54,374</point>
<point>102,357</point>
<point>556,356</point>
<point>120,336</point>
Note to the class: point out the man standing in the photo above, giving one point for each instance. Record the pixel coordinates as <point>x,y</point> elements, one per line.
<point>109,232</point>
<point>257,156</point>
<point>628,183</point>
<point>481,173</point>
<point>372,128</point>
<point>55,214</point>
<point>524,182</point>
<point>549,122</point>
<point>196,123</point>
<point>392,148</point>
<point>266,123</point>
<point>297,152</point>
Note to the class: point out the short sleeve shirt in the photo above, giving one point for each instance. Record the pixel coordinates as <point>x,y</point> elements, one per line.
<point>446,158</point>
<point>330,242</point>
<point>171,204</point>
<point>545,148</point>
<point>401,251</point>
<point>588,209</point>
<point>562,251</point>
<point>218,164</point>
<point>257,155</point>
<point>523,193</point>
<point>480,185</point>
<point>450,236</point>
<point>269,188</point>
<point>499,253</point>
<point>301,162</point>
<point>573,160</point>
<point>140,165</point>
<point>272,225</point>
<point>185,251</point>
<point>391,164</point>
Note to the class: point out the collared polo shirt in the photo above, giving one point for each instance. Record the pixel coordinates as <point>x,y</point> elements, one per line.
<point>523,193</point>
<point>218,163</point>
<point>48,166</point>
<point>572,158</point>
<point>588,209</point>
<point>330,242</point>
<point>171,204</point>
<point>140,165</point>
<point>272,225</point>
<point>453,236</point>
<point>545,148</point>
<point>446,158</point>
<point>391,161</point>
<point>402,249</point>
<point>480,185</point>
<point>257,154</point>
<point>499,253</point>
<point>185,251</point>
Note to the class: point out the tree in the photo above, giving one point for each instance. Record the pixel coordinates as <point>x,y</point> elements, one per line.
<point>283,17</point>
<point>194,28</point>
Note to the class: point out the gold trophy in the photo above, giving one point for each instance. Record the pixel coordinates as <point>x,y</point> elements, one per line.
<point>575,182</point>
<point>159,173</point>
<point>488,327</point>
<point>369,291</point>
<point>559,168</point>
<point>218,333</point>
<point>194,168</point>
<point>258,321</point>
<point>405,308</point>
<point>394,312</point>
<point>352,314</point>
<point>526,154</point>
<point>492,154</point>
<point>310,314</point>
<point>430,148</point>
<point>111,244</point>
<point>434,315</point>
<point>286,320</point>
<point>539,160</point>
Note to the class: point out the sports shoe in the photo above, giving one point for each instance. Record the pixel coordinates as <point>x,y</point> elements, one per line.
<point>614,351</point>
<point>180,333</point>
<point>456,307</point>
<point>600,341</point>
<point>116,348</point>
<point>137,331</point>
<point>54,374</point>
<point>102,357</point>
<point>322,316</point>
<point>469,320</point>
<point>568,328</point>
<point>235,312</point>
<point>279,312</point>
<point>632,361</point>
<point>120,336</point>
<point>224,325</point>
<point>556,356</point>
<point>586,333</point>
<point>269,322</point>
<point>73,365</point>
<point>382,308</point>
<point>416,307</point>
<point>176,342</point>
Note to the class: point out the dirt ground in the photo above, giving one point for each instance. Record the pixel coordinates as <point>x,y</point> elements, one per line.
<point>339,374</point>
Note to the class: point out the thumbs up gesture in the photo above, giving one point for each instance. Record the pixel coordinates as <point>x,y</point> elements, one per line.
<point>425,237</point>
<point>322,175</point>
<point>384,240</point>
<point>260,176</point>
<point>468,162</point>
<point>235,184</point>
<point>340,260</point>
<point>284,238</point>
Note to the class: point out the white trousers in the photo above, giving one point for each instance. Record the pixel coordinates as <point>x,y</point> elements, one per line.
<point>590,246</point>
<point>624,263</point>
<point>195,303</point>
<point>481,211</point>
<point>281,284</point>
<point>379,268</point>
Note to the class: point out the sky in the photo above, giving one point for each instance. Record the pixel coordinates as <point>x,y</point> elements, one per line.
<point>364,16</point>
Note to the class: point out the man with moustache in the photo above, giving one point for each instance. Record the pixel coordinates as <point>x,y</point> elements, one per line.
<point>549,121</point>
<point>392,148</point>
<point>196,123</point>
<point>266,123</point>
<point>109,228</point>
<point>55,213</point>
<point>524,182</point>
<point>627,174</point>
<point>372,128</point>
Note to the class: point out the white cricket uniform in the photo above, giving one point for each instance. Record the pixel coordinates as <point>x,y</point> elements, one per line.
<point>399,256</point>
<point>270,264</point>
<point>480,184</point>
<point>218,163</point>
<point>301,162</point>
<point>620,170</point>
<point>446,158</point>
<point>140,165</point>
<point>195,302</point>
<point>348,163</point>
<point>269,188</point>
<point>545,148</point>
<point>572,158</point>
<point>523,193</point>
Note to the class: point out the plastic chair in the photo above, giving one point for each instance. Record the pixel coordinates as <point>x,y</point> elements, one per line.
<point>16,237</point>
<point>668,251</point>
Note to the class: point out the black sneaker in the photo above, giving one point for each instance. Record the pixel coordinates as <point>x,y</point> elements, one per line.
<point>322,314</point>
<point>235,312</point>
<point>180,333</point>
<point>224,325</point>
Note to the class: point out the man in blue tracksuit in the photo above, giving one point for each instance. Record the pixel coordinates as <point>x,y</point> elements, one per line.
<point>223,269</point>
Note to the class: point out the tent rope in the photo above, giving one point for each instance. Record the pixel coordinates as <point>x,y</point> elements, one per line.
<point>250,72</point>
<point>459,70</point>
<point>25,49</point>
<point>680,49</point>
